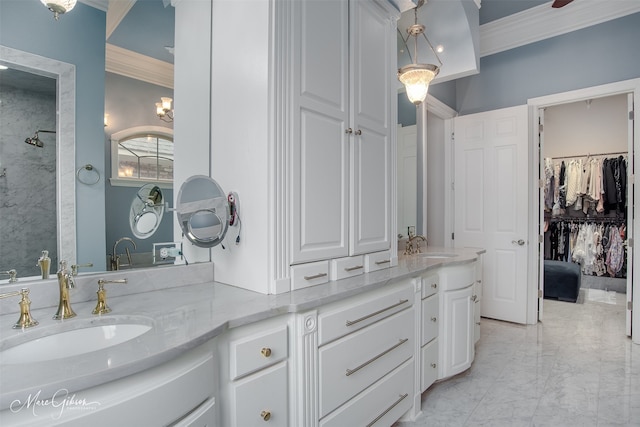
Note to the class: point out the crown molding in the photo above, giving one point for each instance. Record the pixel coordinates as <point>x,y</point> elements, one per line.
<point>140,67</point>
<point>102,5</point>
<point>116,13</point>
<point>543,22</point>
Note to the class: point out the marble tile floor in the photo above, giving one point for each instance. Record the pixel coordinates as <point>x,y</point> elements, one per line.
<point>575,368</point>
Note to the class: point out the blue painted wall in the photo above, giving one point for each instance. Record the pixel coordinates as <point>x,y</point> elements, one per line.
<point>77,38</point>
<point>604,53</point>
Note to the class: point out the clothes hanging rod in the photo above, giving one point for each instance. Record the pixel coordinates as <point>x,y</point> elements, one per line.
<point>591,155</point>
<point>590,219</point>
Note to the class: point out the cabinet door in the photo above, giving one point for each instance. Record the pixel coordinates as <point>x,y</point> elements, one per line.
<point>261,397</point>
<point>320,148</point>
<point>458,331</point>
<point>371,58</point>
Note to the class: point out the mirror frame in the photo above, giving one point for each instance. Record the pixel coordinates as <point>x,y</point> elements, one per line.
<point>65,76</point>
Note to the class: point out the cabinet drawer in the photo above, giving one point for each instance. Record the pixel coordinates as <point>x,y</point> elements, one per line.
<point>257,351</point>
<point>309,274</point>
<point>346,267</point>
<point>430,285</point>
<point>350,315</point>
<point>429,359</point>
<point>377,261</point>
<point>351,364</point>
<point>430,318</point>
<point>457,277</point>
<point>261,397</point>
<point>380,405</point>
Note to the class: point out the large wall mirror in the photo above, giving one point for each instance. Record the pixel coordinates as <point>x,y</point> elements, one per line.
<point>37,189</point>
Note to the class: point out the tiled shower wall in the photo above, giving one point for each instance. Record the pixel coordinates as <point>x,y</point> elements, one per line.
<point>28,189</point>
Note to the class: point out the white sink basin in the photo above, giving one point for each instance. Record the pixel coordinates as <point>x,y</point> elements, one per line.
<point>72,343</point>
<point>438,255</point>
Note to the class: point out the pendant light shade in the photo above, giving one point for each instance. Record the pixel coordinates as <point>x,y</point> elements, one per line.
<point>58,7</point>
<point>416,77</point>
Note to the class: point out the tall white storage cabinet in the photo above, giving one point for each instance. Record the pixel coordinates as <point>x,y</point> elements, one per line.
<point>303,103</point>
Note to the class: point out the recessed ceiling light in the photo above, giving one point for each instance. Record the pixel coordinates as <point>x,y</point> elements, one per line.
<point>3,67</point>
<point>439,48</point>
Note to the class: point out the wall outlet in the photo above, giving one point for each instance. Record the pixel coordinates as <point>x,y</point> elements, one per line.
<point>167,253</point>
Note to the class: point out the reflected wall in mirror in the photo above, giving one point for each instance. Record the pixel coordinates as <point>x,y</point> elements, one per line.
<point>35,215</point>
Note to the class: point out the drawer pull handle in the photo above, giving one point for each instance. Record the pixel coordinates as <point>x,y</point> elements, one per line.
<point>353,322</point>
<point>266,351</point>
<point>315,276</point>
<point>373,359</point>
<point>384,261</point>
<point>433,365</point>
<point>402,397</point>
<point>355,267</point>
<point>434,319</point>
<point>265,415</point>
<point>434,285</point>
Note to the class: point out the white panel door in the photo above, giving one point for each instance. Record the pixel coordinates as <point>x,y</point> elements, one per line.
<point>372,56</point>
<point>320,152</point>
<point>491,204</point>
<point>630,206</point>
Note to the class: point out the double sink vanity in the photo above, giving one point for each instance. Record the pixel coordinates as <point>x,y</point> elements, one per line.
<point>180,349</point>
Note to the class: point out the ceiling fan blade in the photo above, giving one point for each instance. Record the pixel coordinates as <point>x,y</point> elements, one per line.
<point>560,3</point>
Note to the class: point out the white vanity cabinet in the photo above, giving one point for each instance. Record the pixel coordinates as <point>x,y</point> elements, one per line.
<point>365,359</point>
<point>180,393</point>
<point>253,362</point>
<point>457,328</point>
<point>430,325</point>
<point>342,128</point>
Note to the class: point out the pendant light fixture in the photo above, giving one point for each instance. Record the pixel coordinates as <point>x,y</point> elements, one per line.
<point>415,76</point>
<point>58,7</point>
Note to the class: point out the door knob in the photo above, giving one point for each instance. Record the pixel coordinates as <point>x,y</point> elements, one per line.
<point>358,132</point>
<point>348,131</point>
<point>518,242</point>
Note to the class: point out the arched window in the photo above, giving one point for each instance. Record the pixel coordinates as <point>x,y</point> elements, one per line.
<point>142,154</point>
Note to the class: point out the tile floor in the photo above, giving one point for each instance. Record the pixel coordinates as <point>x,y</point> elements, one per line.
<point>576,368</point>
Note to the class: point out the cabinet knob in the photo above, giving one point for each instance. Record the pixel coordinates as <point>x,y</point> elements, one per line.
<point>265,415</point>
<point>266,351</point>
<point>434,285</point>
<point>348,131</point>
<point>358,132</point>
<point>434,366</point>
<point>474,297</point>
<point>434,319</point>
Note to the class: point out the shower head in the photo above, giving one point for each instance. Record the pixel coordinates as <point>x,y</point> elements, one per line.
<point>35,139</point>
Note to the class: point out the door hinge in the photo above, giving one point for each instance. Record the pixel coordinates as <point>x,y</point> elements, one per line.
<point>631,115</point>
<point>453,136</point>
<point>452,236</point>
<point>629,305</point>
<point>541,183</point>
<point>540,127</point>
<point>539,293</point>
<point>540,239</point>
<point>630,242</point>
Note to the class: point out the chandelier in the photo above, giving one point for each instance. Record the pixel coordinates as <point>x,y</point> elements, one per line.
<point>58,7</point>
<point>163,109</point>
<point>416,77</point>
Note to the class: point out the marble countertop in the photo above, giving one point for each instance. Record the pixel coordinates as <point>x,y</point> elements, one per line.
<point>181,318</point>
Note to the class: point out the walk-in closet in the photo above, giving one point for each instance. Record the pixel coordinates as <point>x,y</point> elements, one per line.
<point>585,155</point>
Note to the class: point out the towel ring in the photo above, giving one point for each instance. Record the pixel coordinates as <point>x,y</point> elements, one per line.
<point>89,168</point>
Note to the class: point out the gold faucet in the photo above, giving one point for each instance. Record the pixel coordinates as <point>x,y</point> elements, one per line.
<point>115,258</point>
<point>101,306</point>
<point>13,275</point>
<point>25,320</point>
<point>409,248</point>
<point>65,281</point>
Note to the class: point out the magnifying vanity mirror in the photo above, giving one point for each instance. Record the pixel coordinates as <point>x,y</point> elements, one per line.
<point>146,211</point>
<point>203,211</point>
